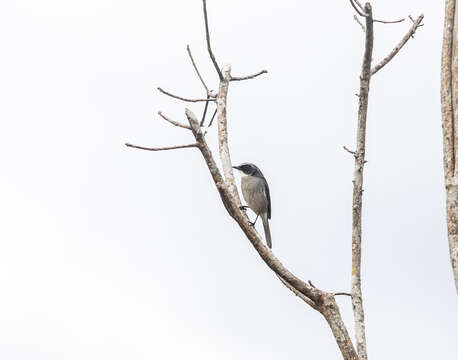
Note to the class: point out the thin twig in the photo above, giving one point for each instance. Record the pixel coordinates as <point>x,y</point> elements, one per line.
<point>197,70</point>
<point>348,150</point>
<point>342,293</point>
<point>182,98</point>
<point>389,22</point>
<point>356,8</point>
<point>297,293</point>
<point>163,148</point>
<point>359,4</point>
<point>359,22</point>
<point>239,78</point>
<point>416,24</point>
<point>173,122</point>
<point>213,117</point>
<point>204,114</point>
<point>413,21</point>
<point>207,34</point>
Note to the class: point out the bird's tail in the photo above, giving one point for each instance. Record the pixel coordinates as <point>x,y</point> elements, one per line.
<point>265,222</point>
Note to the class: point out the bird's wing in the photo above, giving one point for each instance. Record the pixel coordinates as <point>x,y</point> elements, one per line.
<point>266,186</point>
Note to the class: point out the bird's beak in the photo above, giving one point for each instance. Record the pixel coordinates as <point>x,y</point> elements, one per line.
<point>236,167</point>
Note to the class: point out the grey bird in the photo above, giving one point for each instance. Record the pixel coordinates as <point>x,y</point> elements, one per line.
<point>256,193</point>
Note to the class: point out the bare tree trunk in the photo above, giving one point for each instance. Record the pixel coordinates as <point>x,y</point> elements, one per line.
<point>449,96</point>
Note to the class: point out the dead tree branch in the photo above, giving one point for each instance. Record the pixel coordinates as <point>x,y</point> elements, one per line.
<point>204,113</point>
<point>449,96</point>
<point>360,11</point>
<point>173,122</point>
<point>298,294</point>
<point>213,117</point>
<point>248,77</point>
<point>359,155</point>
<point>182,98</point>
<point>386,60</point>
<point>389,22</point>
<point>349,151</point>
<point>223,145</point>
<point>188,49</point>
<point>357,300</point>
<point>359,22</point>
<point>162,148</point>
<point>359,5</point>
<point>209,48</point>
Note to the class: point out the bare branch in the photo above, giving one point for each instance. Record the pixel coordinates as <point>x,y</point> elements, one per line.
<point>359,22</point>
<point>162,148</point>
<point>348,150</point>
<point>213,117</point>
<point>237,78</point>
<point>413,21</point>
<point>416,24</point>
<point>359,154</point>
<point>389,22</point>
<point>223,145</point>
<point>330,310</point>
<point>207,34</point>
<point>197,70</point>
<point>298,294</point>
<point>173,122</point>
<point>204,114</point>
<point>356,8</point>
<point>182,98</point>
<point>359,5</point>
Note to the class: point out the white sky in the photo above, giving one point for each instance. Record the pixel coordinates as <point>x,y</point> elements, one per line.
<point>114,253</point>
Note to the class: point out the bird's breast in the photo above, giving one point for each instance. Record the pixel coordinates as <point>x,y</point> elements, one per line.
<point>253,190</point>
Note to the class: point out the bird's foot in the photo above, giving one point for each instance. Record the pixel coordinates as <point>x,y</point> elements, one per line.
<point>251,223</point>
<point>243,207</point>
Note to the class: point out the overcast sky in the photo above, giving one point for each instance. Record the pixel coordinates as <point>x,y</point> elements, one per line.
<point>114,253</point>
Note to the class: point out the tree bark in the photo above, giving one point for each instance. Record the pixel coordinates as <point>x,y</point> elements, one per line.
<point>357,299</point>
<point>331,312</point>
<point>449,96</point>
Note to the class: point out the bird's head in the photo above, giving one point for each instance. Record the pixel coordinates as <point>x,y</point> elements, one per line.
<point>248,169</point>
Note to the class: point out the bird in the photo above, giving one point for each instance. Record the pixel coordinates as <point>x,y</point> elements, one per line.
<point>256,193</point>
